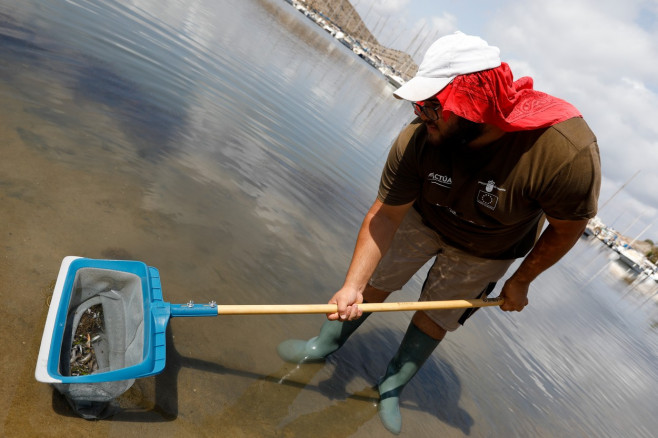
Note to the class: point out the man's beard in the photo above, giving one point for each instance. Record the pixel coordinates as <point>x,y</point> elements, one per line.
<point>462,133</point>
<point>467,131</point>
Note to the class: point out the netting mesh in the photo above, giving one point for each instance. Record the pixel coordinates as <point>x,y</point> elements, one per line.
<point>120,344</point>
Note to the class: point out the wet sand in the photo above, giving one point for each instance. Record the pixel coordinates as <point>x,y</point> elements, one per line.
<point>238,388</point>
<point>53,208</point>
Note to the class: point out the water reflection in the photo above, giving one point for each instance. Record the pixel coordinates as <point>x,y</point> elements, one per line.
<point>151,128</point>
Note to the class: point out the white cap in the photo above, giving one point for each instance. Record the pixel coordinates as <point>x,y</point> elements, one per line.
<point>448,57</point>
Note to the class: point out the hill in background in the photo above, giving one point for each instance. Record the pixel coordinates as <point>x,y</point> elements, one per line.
<point>343,14</point>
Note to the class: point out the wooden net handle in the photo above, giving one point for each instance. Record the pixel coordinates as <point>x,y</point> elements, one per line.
<point>271,309</point>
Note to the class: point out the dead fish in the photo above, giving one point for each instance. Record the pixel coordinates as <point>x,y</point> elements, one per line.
<point>74,358</point>
<point>86,358</point>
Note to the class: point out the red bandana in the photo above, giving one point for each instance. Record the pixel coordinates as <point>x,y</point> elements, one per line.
<point>492,96</point>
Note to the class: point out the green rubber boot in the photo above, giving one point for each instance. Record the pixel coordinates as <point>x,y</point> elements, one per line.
<point>333,335</point>
<point>414,350</point>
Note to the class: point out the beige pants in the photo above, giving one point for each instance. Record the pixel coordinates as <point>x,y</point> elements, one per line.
<point>454,275</point>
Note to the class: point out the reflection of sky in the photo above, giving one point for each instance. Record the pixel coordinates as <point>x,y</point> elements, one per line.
<point>149,71</point>
<point>583,351</point>
<point>241,109</point>
<point>297,145</point>
<point>276,113</point>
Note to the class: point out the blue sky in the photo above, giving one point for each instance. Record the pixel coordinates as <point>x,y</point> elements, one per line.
<point>600,55</point>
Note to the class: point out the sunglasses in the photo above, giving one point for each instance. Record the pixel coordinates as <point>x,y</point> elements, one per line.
<point>431,113</point>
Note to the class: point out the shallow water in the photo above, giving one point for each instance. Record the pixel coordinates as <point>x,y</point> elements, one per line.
<point>235,146</point>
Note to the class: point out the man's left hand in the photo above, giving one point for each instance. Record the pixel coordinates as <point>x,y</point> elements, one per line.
<point>515,293</point>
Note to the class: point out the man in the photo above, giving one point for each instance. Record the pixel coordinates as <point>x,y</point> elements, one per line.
<point>471,182</point>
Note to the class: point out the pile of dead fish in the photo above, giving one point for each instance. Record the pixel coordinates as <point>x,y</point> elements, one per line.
<point>89,330</point>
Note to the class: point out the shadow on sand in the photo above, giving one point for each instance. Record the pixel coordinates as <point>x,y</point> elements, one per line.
<point>265,406</point>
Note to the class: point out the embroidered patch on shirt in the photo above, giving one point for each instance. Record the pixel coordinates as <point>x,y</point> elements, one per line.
<point>486,197</point>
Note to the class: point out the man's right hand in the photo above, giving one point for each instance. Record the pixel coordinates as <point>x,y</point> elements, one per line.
<point>347,299</point>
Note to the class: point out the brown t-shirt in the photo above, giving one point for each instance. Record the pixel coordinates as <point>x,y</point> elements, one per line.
<point>491,201</point>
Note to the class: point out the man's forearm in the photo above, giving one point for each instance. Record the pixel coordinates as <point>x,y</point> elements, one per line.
<point>375,236</point>
<point>374,239</point>
<point>556,240</point>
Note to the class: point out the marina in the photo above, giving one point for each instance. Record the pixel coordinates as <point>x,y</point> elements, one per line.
<point>387,67</point>
<point>625,250</point>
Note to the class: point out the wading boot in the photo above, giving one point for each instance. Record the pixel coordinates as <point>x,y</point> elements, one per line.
<point>333,335</point>
<point>414,350</point>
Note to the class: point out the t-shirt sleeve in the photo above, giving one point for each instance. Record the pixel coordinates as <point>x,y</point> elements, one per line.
<point>574,191</point>
<point>401,182</point>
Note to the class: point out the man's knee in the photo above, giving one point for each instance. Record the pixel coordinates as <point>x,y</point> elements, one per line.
<point>428,326</point>
<point>373,295</point>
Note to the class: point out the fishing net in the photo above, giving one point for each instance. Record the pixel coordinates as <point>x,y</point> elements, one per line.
<point>104,332</point>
